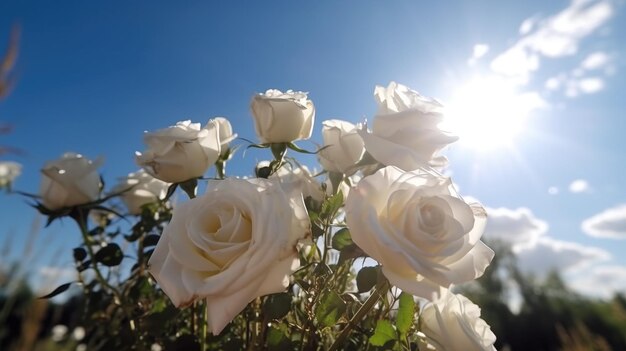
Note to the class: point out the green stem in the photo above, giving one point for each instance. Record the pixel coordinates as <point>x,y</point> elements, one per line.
<point>220,169</point>
<point>203,314</point>
<point>81,220</point>
<point>194,310</point>
<point>371,301</point>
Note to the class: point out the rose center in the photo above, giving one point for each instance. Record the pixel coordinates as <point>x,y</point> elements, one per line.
<point>432,216</point>
<point>227,234</point>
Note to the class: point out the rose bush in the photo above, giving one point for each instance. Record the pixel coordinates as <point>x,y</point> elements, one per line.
<point>69,181</point>
<point>424,237</point>
<point>269,262</point>
<point>181,152</point>
<point>231,245</point>
<point>282,117</point>
<point>453,323</point>
<point>405,130</point>
<point>343,146</point>
<point>138,189</point>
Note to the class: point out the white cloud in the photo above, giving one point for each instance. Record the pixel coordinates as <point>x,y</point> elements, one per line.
<point>537,253</point>
<point>590,85</point>
<point>601,281</point>
<point>48,273</point>
<point>527,25</point>
<point>579,186</point>
<point>550,254</point>
<point>479,51</point>
<point>595,60</point>
<point>575,82</point>
<point>517,227</point>
<point>553,190</point>
<point>516,63</point>
<point>555,36</point>
<point>610,223</point>
<point>554,83</point>
<point>560,34</point>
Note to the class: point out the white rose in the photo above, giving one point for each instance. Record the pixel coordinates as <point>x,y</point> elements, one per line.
<point>69,181</point>
<point>231,245</point>
<point>303,179</point>
<point>424,237</point>
<point>138,189</point>
<point>343,146</point>
<point>282,117</point>
<point>226,134</point>
<point>181,152</point>
<point>405,132</point>
<point>453,323</point>
<point>8,172</point>
<point>300,177</point>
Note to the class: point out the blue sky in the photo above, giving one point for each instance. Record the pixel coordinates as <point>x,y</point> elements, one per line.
<point>92,76</point>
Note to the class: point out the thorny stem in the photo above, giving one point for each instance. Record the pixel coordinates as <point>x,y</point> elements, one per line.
<point>81,220</point>
<point>371,301</point>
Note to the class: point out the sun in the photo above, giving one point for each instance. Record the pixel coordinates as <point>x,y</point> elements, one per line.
<point>487,113</point>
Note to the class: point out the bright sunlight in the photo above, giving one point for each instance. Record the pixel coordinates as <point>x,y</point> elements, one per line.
<point>488,112</point>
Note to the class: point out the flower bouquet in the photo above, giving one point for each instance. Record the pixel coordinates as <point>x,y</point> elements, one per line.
<point>361,255</point>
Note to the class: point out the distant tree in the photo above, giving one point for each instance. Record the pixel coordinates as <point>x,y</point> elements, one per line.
<point>551,316</point>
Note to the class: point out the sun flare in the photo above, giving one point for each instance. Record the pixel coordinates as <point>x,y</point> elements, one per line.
<point>488,112</point>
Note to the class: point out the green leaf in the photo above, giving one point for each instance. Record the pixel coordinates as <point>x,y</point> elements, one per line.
<point>350,252</point>
<point>57,291</point>
<point>383,333</point>
<point>158,306</point>
<point>161,313</point>
<point>277,338</point>
<point>232,344</point>
<point>186,342</point>
<point>331,205</point>
<point>79,254</point>
<point>170,191</point>
<point>296,148</point>
<point>276,306</point>
<point>322,270</point>
<point>367,278</point>
<point>110,255</point>
<point>406,313</point>
<point>151,240</point>
<point>148,253</point>
<point>140,288</point>
<point>96,231</point>
<point>190,187</point>
<point>342,239</point>
<point>316,230</point>
<point>329,309</point>
<point>255,145</point>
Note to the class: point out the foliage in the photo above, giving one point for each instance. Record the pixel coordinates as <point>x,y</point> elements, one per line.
<point>551,316</point>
